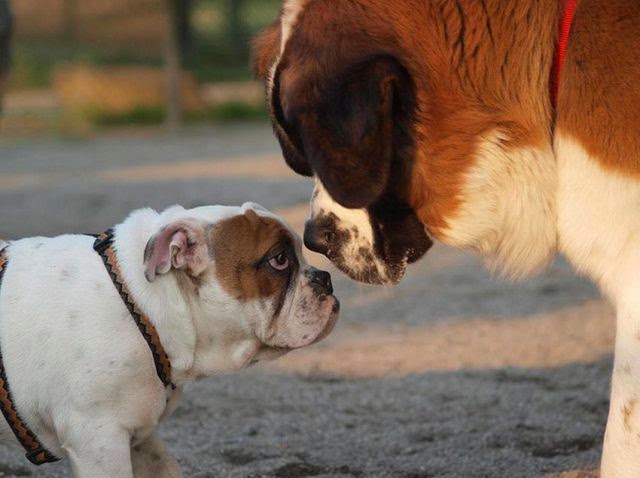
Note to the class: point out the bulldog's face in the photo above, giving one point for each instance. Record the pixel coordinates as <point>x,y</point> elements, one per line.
<point>243,272</point>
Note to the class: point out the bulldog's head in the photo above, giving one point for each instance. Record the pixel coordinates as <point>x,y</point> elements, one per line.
<point>246,280</point>
<point>416,123</point>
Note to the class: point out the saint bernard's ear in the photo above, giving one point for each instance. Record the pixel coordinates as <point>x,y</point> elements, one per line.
<point>264,49</point>
<point>348,136</point>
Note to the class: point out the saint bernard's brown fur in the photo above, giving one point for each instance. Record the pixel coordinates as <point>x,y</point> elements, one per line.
<point>433,118</point>
<point>478,50</point>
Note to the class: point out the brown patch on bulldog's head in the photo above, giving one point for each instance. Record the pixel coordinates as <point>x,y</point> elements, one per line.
<point>242,247</point>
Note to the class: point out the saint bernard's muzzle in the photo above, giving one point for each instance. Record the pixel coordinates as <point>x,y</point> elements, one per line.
<point>372,245</point>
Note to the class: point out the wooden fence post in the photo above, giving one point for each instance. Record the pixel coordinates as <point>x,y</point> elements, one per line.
<point>173,69</point>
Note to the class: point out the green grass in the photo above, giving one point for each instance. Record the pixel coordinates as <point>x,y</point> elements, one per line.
<point>34,61</point>
<point>232,111</point>
<point>212,57</point>
<point>137,116</point>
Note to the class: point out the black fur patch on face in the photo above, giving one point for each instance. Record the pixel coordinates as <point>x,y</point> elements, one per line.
<point>325,235</point>
<point>399,234</point>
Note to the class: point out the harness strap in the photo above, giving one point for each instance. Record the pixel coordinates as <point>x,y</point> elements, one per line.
<point>36,452</point>
<point>104,246</point>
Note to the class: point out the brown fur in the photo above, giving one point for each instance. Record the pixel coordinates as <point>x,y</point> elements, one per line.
<point>265,49</point>
<point>239,244</point>
<point>475,67</point>
<point>599,97</point>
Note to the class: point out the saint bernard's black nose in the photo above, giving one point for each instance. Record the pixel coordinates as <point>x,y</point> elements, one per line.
<point>320,281</point>
<point>317,237</point>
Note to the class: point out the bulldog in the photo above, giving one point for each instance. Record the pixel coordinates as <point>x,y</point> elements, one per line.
<point>98,336</point>
<point>509,128</point>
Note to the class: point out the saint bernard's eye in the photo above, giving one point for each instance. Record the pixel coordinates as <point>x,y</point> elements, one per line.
<point>279,262</point>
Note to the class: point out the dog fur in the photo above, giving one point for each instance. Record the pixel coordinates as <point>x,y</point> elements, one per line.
<point>443,108</point>
<point>81,374</point>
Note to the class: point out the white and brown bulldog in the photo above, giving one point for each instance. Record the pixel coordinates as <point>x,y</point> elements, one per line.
<point>212,289</point>
<point>435,119</point>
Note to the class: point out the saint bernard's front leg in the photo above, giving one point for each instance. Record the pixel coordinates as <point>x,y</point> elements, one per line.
<point>599,231</point>
<point>621,455</point>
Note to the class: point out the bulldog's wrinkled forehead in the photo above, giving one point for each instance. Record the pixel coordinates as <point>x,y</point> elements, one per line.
<point>242,246</point>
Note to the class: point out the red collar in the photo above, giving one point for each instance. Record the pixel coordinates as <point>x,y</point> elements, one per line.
<point>564,29</point>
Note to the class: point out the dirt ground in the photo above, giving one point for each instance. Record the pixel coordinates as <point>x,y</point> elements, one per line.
<point>450,374</point>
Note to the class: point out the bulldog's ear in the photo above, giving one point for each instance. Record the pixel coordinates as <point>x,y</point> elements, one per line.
<point>348,138</point>
<point>265,48</point>
<point>179,245</point>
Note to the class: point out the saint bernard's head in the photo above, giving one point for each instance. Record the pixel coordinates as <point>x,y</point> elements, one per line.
<point>413,129</point>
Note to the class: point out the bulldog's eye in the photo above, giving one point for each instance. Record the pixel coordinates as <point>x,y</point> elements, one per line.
<point>279,262</point>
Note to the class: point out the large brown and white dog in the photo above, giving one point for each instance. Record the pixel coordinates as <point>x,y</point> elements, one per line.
<point>434,118</point>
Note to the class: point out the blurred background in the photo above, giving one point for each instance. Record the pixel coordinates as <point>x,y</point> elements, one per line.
<point>85,64</point>
<point>114,105</point>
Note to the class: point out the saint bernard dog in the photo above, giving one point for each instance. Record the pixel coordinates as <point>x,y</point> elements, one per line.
<point>433,119</point>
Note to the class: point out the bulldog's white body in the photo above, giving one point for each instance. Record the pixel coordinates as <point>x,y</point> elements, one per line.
<point>80,372</point>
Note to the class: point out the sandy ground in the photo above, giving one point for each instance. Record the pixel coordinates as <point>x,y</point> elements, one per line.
<point>450,374</point>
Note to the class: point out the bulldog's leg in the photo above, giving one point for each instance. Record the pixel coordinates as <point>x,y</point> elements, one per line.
<point>99,450</point>
<point>151,459</point>
<point>621,455</point>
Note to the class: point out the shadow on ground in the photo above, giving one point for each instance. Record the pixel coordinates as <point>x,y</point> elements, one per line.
<point>500,423</point>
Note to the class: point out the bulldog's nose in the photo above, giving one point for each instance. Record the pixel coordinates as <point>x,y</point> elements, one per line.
<point>317,238</point>
<point>321,281</point>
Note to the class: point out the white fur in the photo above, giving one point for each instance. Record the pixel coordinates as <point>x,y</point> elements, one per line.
<point>81,374</point>
<point>291,10</point>
<point>508,211</point>
<point>597,218</point>
<point>599,231</point>
<point>322,204</point>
